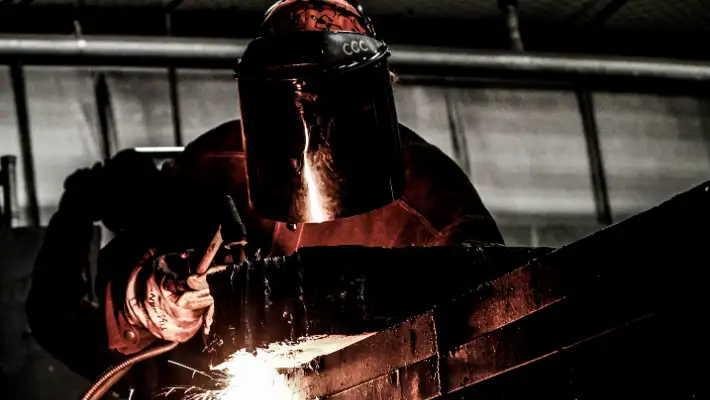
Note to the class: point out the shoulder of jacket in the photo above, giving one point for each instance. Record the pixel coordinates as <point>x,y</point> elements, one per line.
<point>226,137</point>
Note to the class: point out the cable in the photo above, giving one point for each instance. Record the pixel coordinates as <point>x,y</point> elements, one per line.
<point>113,375</point>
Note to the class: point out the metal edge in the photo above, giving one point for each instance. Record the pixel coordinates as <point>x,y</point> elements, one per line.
<point>370,358</point>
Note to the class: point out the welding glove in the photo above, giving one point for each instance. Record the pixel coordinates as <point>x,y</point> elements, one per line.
<point>161,301</point>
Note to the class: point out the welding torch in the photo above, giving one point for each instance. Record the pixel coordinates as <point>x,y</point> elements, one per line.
<point>231,237</point>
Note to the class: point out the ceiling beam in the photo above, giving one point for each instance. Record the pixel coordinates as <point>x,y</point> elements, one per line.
<point>607,12</point>
<point>479,34</point>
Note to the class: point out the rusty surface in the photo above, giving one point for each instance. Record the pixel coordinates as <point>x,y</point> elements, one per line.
<point>530,339</point>
<point>649,358</point>
<point>385,352</point>
<point>386,387</point>
<point>419,381</point>
<point>422,380</point>
<point>512,297</point>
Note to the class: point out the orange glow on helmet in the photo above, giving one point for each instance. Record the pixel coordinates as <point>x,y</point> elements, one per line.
<point>289,16</point>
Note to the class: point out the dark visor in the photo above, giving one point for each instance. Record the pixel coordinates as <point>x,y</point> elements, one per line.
<point>321,135</point>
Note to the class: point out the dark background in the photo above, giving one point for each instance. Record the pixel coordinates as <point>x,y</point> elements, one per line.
<point>525,145</point>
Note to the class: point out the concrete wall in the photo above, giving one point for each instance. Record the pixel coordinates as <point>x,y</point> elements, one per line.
<point>525,148</point>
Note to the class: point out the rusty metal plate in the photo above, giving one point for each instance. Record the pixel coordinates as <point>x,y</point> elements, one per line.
<point>542,333</point>
<point>420,381</point>
<point>641,360</point>
<point>380,354</point>
<point>512,297</point>
<point>386,387</point>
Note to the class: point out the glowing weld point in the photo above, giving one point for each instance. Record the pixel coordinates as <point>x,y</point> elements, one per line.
<point>246,375</point>
<point>251,377</point>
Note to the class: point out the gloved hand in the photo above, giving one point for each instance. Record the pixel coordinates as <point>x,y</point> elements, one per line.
<point>160,300</point>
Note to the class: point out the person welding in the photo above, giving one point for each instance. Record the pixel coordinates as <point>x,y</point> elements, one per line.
<point>318,159</point>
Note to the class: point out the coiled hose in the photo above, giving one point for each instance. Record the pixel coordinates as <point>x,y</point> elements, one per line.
<point>113,375</point>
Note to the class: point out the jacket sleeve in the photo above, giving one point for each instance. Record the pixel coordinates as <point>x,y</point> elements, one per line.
<point>63,323</point>
<point>124,335</point>
<point>440,191</point>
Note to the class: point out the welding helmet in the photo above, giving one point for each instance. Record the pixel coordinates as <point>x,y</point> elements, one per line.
<point>319,124</point>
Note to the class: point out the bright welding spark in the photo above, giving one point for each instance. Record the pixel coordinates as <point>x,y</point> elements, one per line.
<point>245,376</point>
<point>252,377</point>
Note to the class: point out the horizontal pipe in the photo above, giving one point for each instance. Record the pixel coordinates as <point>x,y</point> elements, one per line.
<point>124,51</point>
<point>221,53</point>
<point>127,47</point>
<point>555,64</point>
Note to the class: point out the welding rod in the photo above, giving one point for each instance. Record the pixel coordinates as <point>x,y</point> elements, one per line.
<point>231,233</point>
<point>211,252</point>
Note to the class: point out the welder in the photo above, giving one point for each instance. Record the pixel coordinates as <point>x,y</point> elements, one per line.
<point>318,159</point>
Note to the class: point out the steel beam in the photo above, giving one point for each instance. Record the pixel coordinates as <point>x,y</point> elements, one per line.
<point>458,134</point>
<point>161,51</point>
<point>600,189</point>
<point>105,114</point>
<point>369,359</point>
<point>23,124</point>
<point>644,272</point>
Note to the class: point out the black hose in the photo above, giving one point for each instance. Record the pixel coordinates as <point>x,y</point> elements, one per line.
<point>108,379</point>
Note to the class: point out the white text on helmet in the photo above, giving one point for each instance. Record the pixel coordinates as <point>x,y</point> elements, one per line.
<point>355,47</point>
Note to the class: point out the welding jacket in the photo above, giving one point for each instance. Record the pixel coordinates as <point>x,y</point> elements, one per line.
<point>440,206</point>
